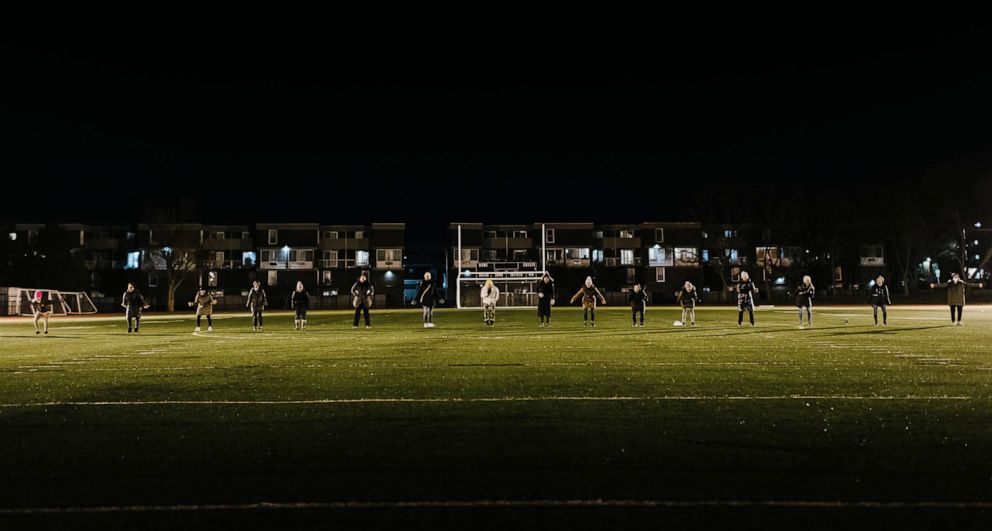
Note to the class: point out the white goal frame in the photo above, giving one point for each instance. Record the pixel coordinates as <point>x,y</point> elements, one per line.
<point>63,302</point>
<point>476,278</point>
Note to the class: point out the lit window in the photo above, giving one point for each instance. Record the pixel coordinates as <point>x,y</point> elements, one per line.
<point>519,234</point>
<point>626,257</point>
<point>626,234</point>
<point>249,258</point>
<point>220,236</point>
<point>212,279</point>
<point>686,257</point>
<point>659,274</point>
<point>325,278</point>
<point>359,234</point>
<point>659,256</point>
<point>272,278</point>
<point>631,275</point>
<point>330,234</point>
<point>597,256</point>
<point>362,258</point>
<point>133,260</point>
<point>12,236</point>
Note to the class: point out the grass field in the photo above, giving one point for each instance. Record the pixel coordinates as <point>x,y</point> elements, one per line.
<point>844,424</point>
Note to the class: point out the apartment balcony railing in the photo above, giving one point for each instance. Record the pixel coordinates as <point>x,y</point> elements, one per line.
<point>224,264</point>
<point>342,263</point>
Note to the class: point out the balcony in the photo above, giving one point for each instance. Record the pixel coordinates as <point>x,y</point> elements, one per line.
<point>299,264</point>
<point>577,262</point>
<point>872,261</point>
<point>389,264</point>
<point>616,262</point>
<point>224,264</point>
<point>507,266</point>
<point>342,263</point>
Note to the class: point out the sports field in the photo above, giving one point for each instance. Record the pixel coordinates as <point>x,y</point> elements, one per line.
<point>844,424</point>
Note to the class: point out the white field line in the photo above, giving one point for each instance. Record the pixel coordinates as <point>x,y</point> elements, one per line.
<point>484,504</point>
<point>470,400</point>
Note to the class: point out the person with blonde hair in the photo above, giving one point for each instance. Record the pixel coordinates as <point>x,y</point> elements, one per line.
<point>427,297</point>
<point>589,294</point>
<point>687,298</point>
<point>300,301</point>
<point>490,297</point>
<point>804,299</point>
<point>879,297</point>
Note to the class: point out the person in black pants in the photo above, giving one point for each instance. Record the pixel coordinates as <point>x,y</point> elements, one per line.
<point>362,293</point>
<point>545,299</point>
<point>746,291</point>
<point>133,303</point>
<point>804,299</point>
<point>257,301</point>
<point>638,302</point>
<point>956,295</point>
<point>879,298</point>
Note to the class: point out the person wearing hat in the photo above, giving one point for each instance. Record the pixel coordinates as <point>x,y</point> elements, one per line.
<point>638,303</point>
<point>41,306</point>
<point>746,291</point>
<point>490,297</point>
<point>545,299</point>
<point>956,295</point>
<point>362,293</point>
<point>589,294</point>
<point>204,302</point>
<point>133,303</point>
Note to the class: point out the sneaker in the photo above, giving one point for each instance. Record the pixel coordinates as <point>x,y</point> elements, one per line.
<point>36,332</point>
<point>959,323</point>
<point>196,330</point>
<point>210,329</point>
<point>46,332</point>
<point>129,330</point>
<point>585,323</point>
<point>425,325</point>
<point>548,325</point>
<point>693,324</point>
<point>135,330</point>
<point>541,325</point>
<point>354,327</point>
<point>739,325</point>
<point>368,327</point>
<point>593,325</point>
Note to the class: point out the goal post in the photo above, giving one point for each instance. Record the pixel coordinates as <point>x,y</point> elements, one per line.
<point>517,285</point>
<point>63,302</point>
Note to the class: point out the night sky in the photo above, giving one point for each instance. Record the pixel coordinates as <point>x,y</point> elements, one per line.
<point>429,128</point>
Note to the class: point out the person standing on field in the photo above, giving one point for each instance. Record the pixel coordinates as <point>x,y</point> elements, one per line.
<point>956,295</point>
<point>133,303</point>
<point>545,299</point>
<point>490,297</point>
<point>362,293</point>
<point>300,300</point>
<point>204,302</point>
<point>638,303</point>
<point>589,294</point>
<point>257,301</point>
<point>427,297</point>
<point>804,299</point>
<point>746,290</point>
<point>879,298</point>
<point>41,307</point>
<point>687,298</point>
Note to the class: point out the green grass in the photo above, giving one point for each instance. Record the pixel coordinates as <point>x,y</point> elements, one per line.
<point>682,421</point>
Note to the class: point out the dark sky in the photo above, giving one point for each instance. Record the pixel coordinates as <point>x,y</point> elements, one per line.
<point>427,128</point>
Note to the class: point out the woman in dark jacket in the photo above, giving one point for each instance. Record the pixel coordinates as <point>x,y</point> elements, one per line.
<point>956,295</point>
<point>362,293</point>
<point>257,301</point>
<point>879,298</point>
<point>746,291</point>
<point>133,303</point>
<point>688,297</point>
<point>638,303</point>
<point>545,299</point>
<point>427,297</point>
<point>301,303</point>
<point>804,299</point>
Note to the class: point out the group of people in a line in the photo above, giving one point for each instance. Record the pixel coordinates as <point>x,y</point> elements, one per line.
<point>428,297</point>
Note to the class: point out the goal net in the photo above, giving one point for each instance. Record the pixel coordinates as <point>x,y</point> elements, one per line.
<point>516,288</point>
<point>62,302</point>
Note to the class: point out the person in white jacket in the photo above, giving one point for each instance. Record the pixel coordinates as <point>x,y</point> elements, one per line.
<point>490,296</point>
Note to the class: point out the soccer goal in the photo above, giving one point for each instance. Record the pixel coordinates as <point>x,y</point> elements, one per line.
<point>516,288</point>
<point>63,302</point>
<point>517,282</point>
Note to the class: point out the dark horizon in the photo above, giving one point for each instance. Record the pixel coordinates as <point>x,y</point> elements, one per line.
<point>424,134</point>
